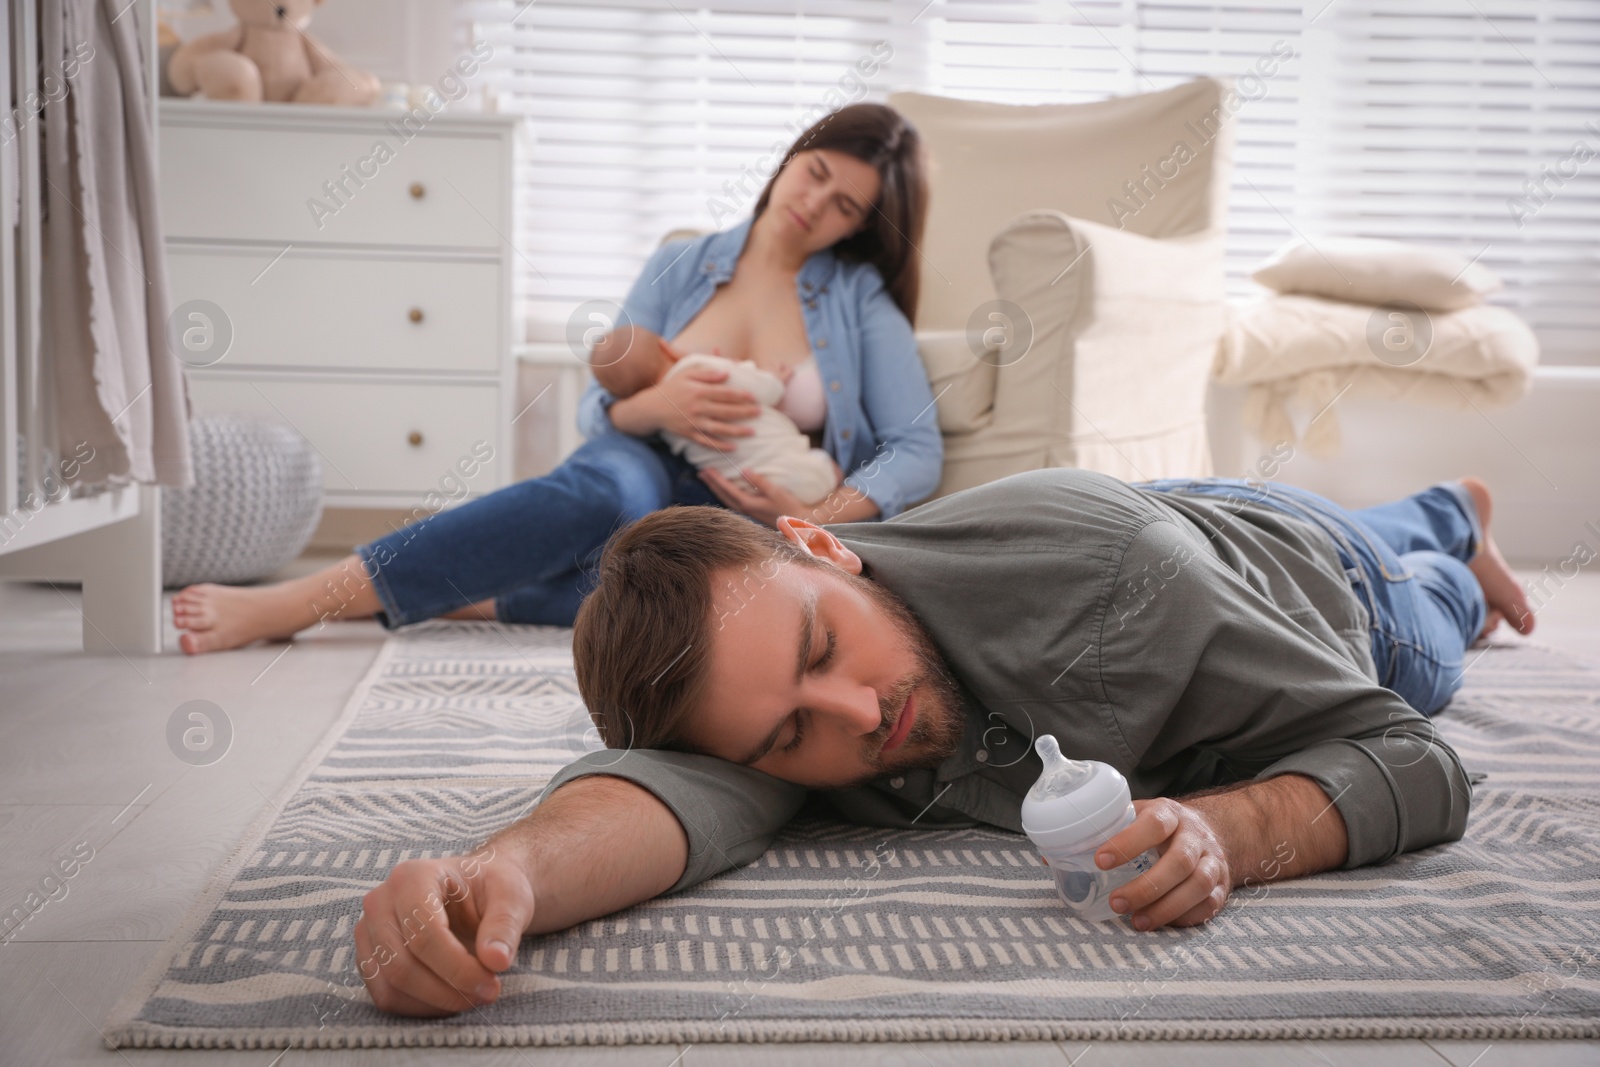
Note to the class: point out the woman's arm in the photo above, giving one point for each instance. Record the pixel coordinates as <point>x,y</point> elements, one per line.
<point>691,403</point>
<point>695,406</point>
<point>844,504</point>
<point>909,451</point>
<point>771,501</point>
<point>645,308</point>
<point>908,457</point>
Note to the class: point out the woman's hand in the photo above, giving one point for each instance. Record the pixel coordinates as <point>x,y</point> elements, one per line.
<point>770,502</point>
<point>767,504</point>
<point>691,405</point>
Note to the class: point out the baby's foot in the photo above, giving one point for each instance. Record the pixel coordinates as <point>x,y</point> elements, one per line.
<point>1502,592</point>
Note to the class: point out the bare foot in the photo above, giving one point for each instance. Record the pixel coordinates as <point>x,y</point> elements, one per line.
<point>1501,590</point>
<point>216,617</point>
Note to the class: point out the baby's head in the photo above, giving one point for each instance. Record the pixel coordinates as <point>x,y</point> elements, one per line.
<point>625,361</point>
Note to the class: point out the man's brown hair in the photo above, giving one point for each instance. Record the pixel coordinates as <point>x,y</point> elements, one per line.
<point>642,640</point>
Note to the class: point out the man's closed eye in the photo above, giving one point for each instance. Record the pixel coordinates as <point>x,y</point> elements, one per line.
<point>799,717</point>
<point>799,732</point>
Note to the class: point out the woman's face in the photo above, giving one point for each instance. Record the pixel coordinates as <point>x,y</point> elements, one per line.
<point>821,197</point>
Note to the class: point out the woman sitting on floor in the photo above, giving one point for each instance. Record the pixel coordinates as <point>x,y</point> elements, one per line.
<point>820,285</point>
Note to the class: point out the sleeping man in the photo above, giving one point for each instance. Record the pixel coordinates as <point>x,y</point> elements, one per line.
<point>1258,662</point>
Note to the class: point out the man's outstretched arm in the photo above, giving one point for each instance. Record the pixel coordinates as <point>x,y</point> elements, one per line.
<point>1218,840</point>
<point>433,936</point>
<point>1209,663</point>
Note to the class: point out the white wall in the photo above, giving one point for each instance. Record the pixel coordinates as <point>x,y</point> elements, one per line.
<point>1541,458</point>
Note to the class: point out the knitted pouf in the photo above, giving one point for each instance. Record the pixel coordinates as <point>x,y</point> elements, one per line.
<point>257,497</point>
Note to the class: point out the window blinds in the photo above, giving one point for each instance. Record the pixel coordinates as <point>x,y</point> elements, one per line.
<point>1473,127</point>
<point>648,116</point>
<point>651,115</point>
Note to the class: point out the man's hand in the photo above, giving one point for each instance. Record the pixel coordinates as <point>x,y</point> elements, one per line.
<point>1191,881</point>
<point>1210,842</point>
<point>432,938</point>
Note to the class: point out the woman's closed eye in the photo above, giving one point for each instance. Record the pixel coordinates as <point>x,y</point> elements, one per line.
<point>847,207</point>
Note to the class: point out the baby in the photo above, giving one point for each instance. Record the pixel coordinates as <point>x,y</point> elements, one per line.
<point>777,449</point>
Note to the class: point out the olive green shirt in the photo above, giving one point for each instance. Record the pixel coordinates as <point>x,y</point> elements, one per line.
<point>1189,641</point>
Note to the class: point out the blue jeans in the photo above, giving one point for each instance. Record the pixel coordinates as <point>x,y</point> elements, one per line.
<point>1407,562</point>
<point>531,546</point>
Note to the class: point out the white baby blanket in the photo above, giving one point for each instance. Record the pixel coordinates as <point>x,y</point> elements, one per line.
<point>777,449</point>
<point>1304,351</point>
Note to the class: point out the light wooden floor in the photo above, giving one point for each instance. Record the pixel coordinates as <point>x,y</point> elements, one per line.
<point>84,757</point>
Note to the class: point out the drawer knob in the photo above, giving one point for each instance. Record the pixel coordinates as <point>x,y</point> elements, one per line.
<point>417,191</point>
<point>415,315</point>
<point>415,437</point>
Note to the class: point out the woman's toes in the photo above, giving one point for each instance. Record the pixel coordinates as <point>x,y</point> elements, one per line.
<point>195,643</point>
<point>192,609</point>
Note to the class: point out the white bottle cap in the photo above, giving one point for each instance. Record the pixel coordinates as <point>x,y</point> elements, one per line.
<point>1075,804</point>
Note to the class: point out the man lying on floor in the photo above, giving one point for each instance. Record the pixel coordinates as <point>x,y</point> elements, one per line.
<point>1259,654</point>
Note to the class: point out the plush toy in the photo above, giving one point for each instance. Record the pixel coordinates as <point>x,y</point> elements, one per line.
<point>268,56</point>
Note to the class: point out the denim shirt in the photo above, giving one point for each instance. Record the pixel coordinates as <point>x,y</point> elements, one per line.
<point>881,426</point>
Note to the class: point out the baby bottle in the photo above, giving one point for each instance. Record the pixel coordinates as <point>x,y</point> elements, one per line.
<point>1074,807</point>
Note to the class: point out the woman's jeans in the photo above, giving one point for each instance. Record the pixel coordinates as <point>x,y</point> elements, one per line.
<point>531,546</point>
<point>1407,562</point>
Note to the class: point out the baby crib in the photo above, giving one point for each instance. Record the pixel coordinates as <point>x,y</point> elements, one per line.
<point>110,540</point>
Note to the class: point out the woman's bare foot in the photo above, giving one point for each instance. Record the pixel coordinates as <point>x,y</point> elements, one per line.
<point>1501,590</point>
<point>216,617</point>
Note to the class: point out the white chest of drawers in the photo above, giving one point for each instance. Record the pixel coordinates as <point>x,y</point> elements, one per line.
<point>368,289</point>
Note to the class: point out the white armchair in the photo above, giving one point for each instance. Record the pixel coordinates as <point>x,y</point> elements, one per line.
<point>1087,240</point>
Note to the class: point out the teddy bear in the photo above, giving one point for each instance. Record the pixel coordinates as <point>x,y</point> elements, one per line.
<point>268,56</point>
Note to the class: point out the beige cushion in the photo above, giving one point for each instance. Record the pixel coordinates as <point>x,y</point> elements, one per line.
<point>990,162</point>
<point>963,381</point>
<point>1366,270</point>
<point>1124,332</point>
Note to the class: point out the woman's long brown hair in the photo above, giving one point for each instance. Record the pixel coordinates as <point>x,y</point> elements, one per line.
<point>880,137</point>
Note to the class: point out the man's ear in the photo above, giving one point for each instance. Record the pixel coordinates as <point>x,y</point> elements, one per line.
<point>814,541</point>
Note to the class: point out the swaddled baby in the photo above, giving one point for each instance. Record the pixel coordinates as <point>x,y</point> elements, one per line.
<point>776,450</point>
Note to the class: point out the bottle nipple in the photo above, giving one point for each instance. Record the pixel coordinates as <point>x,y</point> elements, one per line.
<point>1061,775</point>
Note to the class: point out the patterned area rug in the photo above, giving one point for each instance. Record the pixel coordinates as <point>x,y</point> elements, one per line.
<point>858,934</point>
